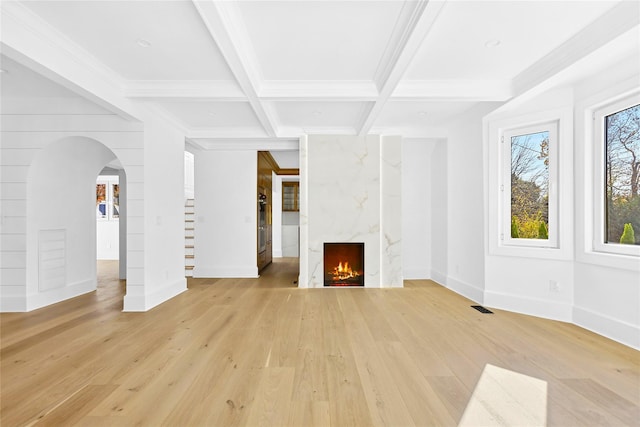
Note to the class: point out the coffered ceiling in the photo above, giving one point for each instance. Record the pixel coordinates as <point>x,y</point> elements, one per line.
<point>270,71</point>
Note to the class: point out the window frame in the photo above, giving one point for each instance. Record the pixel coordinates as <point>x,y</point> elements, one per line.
<point>599,169</point>
<point>505,197</point>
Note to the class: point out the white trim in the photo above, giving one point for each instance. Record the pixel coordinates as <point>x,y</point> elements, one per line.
<point>538,307</point>
<point>506,159</point>
<point>597,144</point>
<point>416,274</point>
<point>453,90</point>
<point>467,290</point>
<point>439,277</point>
<point>42,299</point>
<point>563,211</point>
<point>150,300</point>
<point>617,330</point>
<point>226,272</point>
<point>13,304</point>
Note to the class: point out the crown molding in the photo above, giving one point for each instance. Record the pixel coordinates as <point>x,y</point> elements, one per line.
<point>292,131</point>
<point>259,144</point>
<point>412,133</point>
<point>617,21</point>
<point>220,90</point>
<point>418,25</point>
<point>224,23</point>
<point>318,90</point>
<point>453,90</point>
<point>33,42</point>
<point>227,132</point>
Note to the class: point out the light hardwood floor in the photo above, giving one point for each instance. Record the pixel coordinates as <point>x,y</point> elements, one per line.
<point>263,352</point>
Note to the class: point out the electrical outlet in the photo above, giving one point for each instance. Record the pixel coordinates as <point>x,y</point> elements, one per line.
<point>554,286</point>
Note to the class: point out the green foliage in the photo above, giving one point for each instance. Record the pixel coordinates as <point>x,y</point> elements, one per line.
<point>529,227</point>
<point>542,231</point>
<point>620,211</point>
<point>628,236</point>
<point>514,228</point>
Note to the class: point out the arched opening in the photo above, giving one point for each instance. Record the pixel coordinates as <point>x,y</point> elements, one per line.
<point>61,219</point>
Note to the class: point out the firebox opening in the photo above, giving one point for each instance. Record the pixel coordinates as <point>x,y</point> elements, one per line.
<point>344,264</point>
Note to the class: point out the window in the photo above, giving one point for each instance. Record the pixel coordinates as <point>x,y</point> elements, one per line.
<point>529,186</point>
<point>107,198</point>
<point>617,207</point>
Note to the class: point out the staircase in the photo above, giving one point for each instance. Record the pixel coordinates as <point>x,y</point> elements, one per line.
<point>189,231</point>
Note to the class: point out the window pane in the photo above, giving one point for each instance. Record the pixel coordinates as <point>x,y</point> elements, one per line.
<point>530,186</point>
<point>115,213</point>
<point>101,200</point>
<point>622,176</point>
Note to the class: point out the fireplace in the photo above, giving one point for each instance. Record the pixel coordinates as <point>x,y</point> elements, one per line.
<point>344,264</point>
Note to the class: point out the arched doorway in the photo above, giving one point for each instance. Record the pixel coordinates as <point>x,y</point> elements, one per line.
<point>61,219</point>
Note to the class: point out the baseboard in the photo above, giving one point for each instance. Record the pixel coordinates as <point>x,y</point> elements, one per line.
<point>416,273</point>
<point>226,272</point>
<point>43,299</point>
<point>13,304</point>
<point>617,330</point>
<point>465,289</point>
<point>544,308</point>
<point>156,297</point>
<point>439,277</point>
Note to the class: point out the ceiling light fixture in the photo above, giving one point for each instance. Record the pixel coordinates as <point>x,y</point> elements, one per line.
<point>317,113</point>
<point>143,43</point>
<point>492,43</point>
<point>422,113</point>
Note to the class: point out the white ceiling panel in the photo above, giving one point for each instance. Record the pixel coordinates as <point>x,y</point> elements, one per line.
<point>320,115</point>
<point>521,33</point>
<point>319,40</point>
<point>403,115</point>
<point>212,114</point>
<point>112,31</point>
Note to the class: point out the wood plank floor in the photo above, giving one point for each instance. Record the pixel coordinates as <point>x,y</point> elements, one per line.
<point>263,352</point>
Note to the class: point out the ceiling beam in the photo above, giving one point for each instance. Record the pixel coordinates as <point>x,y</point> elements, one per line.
<point>220,90</point>
<point>228,31</point>
<point>453,90</point>
<point>396,60</point>
<point>621,18</point>
<point>31,41</point>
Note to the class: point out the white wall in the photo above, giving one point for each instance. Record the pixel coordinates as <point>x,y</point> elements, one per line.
<point>598,291</point>
<point>537,281</point>
<point>465,204</point>
<point>226,213</point>
<point>34,149</point>
<point>607,288</point>
<point>439,212</point>
<point>163,206</point>
<point>417,204</point>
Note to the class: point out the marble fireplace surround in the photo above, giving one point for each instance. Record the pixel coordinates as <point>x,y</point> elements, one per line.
<point>350,191</point>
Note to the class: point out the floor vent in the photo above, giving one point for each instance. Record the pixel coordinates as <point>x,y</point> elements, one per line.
<point>481,309</point>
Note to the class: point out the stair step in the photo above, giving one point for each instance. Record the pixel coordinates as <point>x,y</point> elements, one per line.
<point>188,246</point>
<point>189,267</point>
<point>189,256</point>
<point>187,228</point>
<point>189,237</point>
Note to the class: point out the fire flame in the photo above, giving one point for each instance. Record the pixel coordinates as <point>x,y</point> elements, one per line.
<point>344,271</point>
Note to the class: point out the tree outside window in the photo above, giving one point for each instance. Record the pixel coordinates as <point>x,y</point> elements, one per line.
<point>530,186</point>
<point>622,176</point>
